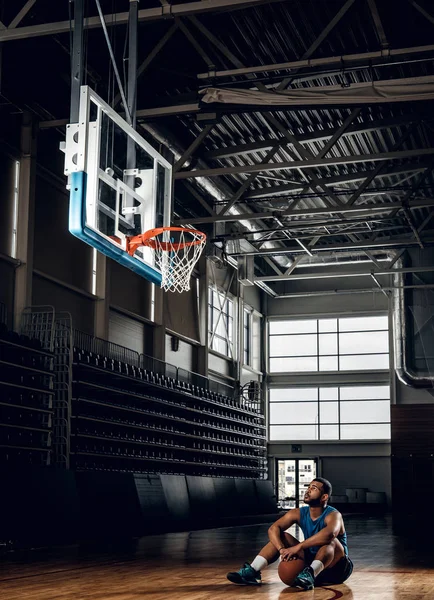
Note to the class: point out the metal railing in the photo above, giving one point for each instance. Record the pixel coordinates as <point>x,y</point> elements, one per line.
<point>98,346</point>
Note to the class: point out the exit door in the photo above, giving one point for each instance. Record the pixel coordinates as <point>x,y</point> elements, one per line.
<point>293,479</point>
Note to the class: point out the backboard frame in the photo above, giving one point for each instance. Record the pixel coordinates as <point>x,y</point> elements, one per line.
<point>82,166</point>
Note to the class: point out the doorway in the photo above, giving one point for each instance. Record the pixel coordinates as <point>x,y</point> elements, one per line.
<point>293,478</point>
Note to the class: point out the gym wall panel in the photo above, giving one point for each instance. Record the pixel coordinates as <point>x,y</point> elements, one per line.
<point>202,497</point>
<point>368,472</point>
<point>56,251</point>
<point>47,292</point>
<point>177,498</point>
<point>126,331</point>
<point>266,497</point>
<point>152,501</point>
<point>109,505</point>
<point>412,430</point>
<point>219,364</point>
<point>248,499</point>
<point>252,297</point>
<point>227,499</point>
<point>7,184</point>
<point>332,304</point>
<point>129,291</point>
<point>184,357</point>
<point>181,312</point>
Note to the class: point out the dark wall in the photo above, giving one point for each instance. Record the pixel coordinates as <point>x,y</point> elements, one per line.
<point>47,292</point>
<point>54,506</point>
<point>7,279</point>
<point>412,466</point>
<point>56,252</point>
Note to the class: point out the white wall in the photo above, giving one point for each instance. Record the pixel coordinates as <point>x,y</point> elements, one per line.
<point>184,357</point>
<point>353,464</point>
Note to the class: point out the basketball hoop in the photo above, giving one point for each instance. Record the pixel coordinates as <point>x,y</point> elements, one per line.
<point>176,250</point>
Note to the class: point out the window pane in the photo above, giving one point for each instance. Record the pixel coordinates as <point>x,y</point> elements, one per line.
<point>293,365</point>
<point>329,432</point>
<point>363,323</point>
<point>293,345</point>
<point>328,393</point>
<point>365,392</point>
<point>328,325</point>
<point>365,411</point>
<point>365,432</point>
<point>328,344</point>
<point>230,326</point>
<point>220,345</point>
<point>293,394</point>
<point>303,326</point>
<point>221,329</point>
<point>293,413</point>
<point>361,343</point>
<point>328,363</point>
<point>293,432</point>
<point>328,412</point>
<point>367,362</point>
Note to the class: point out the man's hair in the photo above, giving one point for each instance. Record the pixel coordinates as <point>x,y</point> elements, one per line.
<point>327,486</point>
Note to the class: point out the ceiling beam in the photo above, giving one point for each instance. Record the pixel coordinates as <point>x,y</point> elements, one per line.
<point>343,273</point>
<point>305,164</point>
<point>319,40</point>
<point>168,11</point>
<point>280,192</point>
<point>22,13</point>
<point>380,244</point>
<point>378,24</point>
<point>367,209</point>
<point>328,61</point>
<point>316,136</point>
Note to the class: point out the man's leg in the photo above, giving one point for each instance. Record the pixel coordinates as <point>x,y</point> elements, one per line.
<point>326,558</point>
<point>250,574</point>
<point>270,553</point>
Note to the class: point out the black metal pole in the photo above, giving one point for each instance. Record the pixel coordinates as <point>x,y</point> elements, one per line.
<point>77,63</point>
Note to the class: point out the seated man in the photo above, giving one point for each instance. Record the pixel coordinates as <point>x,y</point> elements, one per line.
<point>324,550</point>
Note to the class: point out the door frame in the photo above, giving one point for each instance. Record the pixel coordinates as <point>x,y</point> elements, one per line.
<point>297,460</point>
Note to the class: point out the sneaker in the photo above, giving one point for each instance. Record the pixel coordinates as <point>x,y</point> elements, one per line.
<point>245,576</point>
<point>305,579</point>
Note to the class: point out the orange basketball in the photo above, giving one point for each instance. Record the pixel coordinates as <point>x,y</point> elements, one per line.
<point>289,569</point>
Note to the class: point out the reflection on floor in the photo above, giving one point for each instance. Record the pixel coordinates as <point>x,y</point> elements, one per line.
<point>192,566</point>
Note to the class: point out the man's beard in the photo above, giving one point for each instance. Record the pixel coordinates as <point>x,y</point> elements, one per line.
<point>313,502</point>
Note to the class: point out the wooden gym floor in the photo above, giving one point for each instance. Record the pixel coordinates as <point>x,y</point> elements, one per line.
<point>192,566</point>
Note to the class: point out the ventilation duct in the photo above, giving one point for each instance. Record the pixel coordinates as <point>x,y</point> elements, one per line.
<point>404,338</point>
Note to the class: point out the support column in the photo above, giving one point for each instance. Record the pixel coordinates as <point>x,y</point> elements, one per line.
<point>102,291</point>
<point>202,351</point>
<point>160,324</point>
<point>26,218</point>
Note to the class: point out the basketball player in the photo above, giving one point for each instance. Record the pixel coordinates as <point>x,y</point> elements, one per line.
<point>324,550</point>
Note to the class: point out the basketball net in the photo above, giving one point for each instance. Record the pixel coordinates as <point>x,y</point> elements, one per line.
<point>176,251</point>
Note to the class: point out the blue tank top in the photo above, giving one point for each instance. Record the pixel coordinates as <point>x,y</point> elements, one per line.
<point>310,527</point>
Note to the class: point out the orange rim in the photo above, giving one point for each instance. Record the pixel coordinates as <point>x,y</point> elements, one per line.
<point>147,239</point>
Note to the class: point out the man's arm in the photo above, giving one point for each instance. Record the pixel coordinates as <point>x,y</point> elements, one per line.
<point>281,525</point>
<point>333,526</point>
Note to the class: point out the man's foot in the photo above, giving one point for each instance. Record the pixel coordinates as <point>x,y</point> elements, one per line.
<point>245,576</point>
<point>305,579</point>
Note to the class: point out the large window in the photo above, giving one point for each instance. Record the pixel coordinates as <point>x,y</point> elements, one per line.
<point>338,344</point>
<point>343,412</point>
<point>247,338</point>
<point>220,323</point>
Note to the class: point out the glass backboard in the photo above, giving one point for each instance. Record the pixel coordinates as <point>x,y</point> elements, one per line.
<point>119,185</point>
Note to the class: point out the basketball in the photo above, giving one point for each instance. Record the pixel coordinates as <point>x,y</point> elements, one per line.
<point>289,569</point>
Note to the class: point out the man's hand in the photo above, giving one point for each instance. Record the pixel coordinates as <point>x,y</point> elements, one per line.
<point>292,553</point>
